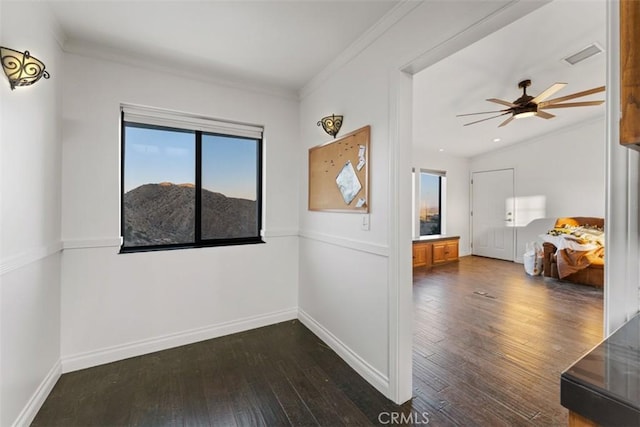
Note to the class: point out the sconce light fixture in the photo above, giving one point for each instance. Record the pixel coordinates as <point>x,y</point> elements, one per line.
<point>21,69</point>
<point>331,124</point>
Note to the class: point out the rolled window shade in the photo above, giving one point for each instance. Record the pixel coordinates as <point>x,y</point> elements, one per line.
<point>171,119</point>
<point>434,172</point>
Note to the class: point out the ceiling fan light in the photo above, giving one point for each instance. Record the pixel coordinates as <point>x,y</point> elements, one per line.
<point>524,114</point>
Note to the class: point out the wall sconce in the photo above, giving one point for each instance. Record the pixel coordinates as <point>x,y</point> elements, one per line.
<point>331,124</point>
<point>21,69</point>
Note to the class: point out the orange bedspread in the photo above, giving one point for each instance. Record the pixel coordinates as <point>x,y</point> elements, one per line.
<point>571,261</point>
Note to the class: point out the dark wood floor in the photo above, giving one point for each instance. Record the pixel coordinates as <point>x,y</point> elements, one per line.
<point>490,343</point>
<point>278,375</point>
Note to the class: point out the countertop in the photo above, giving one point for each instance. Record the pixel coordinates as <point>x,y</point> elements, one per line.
<point>604,385</point>
<point>437,238</point>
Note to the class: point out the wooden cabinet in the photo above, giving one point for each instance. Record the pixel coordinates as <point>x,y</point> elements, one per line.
<point>630,74</point>
<point>422,254</point>
<point>445,251</point>
<point>428,253</point>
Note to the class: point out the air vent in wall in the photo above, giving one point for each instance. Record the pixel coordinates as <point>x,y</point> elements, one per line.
<point>587,52</point>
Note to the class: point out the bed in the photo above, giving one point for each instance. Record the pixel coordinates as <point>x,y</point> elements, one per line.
<point>574,250</point>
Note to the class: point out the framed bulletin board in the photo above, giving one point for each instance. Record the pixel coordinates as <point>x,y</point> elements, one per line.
<point>339,174</point>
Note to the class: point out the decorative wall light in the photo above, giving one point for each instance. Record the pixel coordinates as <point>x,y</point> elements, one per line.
<point>21,69</point>
<point>331,124</point>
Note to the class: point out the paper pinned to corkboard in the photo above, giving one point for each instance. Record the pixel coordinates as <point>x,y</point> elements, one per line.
<point>339,174</point>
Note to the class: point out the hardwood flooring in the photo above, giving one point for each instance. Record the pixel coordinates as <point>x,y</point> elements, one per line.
<point>490,342</point>
<point>278,375</point>
<point>489,345</point>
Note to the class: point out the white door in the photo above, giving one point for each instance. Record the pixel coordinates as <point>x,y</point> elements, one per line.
<point>493,216</point>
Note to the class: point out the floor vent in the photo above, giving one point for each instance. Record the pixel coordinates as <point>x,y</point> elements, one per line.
<point>484,294</point>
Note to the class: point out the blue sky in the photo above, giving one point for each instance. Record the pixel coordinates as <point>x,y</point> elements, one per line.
<point>154,156</point>
<point>429,189</point>
<point>229,166</point>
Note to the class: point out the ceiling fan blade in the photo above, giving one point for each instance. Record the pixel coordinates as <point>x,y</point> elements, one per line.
<point>506,122</point>
<point>488,118</point>
<point>545,115</point>
<point>500,101</point>
<point>573,104</point>
<point>484,112</point>
<point>548,92</point>
<point>572,96</point>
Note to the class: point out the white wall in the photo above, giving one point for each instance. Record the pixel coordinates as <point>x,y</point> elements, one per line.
<point>457,194</point>
<point>622,240</point>
<point>565,170</point>
<point>370,324</point>
<point>119,305</point>
<point>30,169</point>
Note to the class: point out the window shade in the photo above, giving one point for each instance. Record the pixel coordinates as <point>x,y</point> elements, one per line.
<point>434,172</point>
<point>431,172</point>
<point>158,117</point>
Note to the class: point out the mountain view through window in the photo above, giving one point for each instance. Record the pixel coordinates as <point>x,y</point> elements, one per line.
<point>183,187</point>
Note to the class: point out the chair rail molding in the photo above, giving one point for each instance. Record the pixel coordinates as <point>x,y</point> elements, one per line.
<point>29,256</point>
<point>358,245</point>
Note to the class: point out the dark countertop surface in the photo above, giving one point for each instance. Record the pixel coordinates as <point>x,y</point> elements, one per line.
<point>437,238</point>
<point>604,386</point>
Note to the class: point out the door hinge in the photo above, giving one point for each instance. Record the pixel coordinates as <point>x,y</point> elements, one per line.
<point>471,213</point>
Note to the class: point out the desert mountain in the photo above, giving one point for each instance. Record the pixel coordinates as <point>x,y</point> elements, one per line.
<point>158,214</point>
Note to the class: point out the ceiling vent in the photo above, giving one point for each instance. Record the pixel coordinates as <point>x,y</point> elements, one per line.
<point>587,52</point>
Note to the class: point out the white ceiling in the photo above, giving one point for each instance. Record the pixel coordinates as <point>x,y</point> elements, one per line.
<point>285,43</point>
<point>530,48</point>
<point>278,43</point>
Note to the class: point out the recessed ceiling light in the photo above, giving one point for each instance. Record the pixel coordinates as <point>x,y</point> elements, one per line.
<point>496,139</point>
<point>441,150</point>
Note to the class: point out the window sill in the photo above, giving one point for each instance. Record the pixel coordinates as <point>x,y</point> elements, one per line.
<point>210,244</point>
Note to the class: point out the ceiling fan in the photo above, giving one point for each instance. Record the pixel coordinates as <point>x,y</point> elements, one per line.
<point>527,105</point>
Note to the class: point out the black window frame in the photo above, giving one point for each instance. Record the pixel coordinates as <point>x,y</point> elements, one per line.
<point>198,242</point>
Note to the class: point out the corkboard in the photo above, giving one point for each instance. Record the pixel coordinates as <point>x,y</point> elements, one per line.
<point>332,183</point>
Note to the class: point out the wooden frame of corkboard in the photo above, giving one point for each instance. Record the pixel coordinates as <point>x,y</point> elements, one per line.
<point>329,163</point>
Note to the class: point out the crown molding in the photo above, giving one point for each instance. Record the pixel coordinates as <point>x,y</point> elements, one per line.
<point>55,28</point>
<point>398,12</point>
<point>192,71</point>
<point>502,16</point>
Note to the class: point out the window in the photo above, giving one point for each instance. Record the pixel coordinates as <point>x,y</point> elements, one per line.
<point>428,202</point>
<point>188,181</point>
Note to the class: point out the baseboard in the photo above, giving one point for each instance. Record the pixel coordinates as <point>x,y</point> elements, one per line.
<point>119,352</point>
<point>34,404</point>
<point>368,372</point>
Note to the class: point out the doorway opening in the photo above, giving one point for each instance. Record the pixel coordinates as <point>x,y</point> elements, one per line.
<point>478,154</point>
